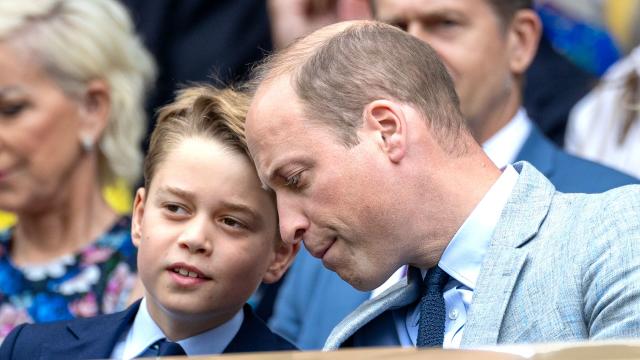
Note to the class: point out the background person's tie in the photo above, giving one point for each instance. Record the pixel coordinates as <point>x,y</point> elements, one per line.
<point>432,310</point>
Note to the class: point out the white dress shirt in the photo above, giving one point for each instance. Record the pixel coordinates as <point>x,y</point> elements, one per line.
<point>505,145</point>
<point>462,260</point>
<point>144,332</point>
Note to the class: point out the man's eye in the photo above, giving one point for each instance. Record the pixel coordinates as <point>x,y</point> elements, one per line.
<point>447,23</point>
<point>293,181</point>
<point>399,24</point>
<point>12,110</point>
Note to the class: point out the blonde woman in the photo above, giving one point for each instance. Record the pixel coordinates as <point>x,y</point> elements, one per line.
<point>72,81</point>
<point>605,125</point>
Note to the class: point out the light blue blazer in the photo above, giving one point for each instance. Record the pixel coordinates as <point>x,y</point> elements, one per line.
<point>560,267</point>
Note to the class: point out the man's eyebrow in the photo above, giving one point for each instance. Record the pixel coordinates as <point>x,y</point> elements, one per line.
<point>272,177</point>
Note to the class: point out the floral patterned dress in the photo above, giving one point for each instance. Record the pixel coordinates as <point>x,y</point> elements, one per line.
<point>96,280</point>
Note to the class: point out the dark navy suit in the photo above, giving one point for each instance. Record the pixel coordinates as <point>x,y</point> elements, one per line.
<point>91,338</point>
<point>313,300</point>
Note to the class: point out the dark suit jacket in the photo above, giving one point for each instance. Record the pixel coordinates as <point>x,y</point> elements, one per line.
<point>193,40</point>
<point>313,300</point>
<point>91,338</point>
<point>569,174</point>
<point>552,87</point>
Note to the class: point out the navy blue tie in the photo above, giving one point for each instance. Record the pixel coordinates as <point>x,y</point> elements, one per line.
<point>432,310</point>
<point>163,347</point>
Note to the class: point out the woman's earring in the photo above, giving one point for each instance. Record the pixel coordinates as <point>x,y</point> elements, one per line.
<point>87,143</point>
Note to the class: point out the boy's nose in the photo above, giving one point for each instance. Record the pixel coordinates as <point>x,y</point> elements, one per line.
<point>196,239</point>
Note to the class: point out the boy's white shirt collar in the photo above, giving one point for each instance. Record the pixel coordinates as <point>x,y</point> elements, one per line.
<point>144,332</point>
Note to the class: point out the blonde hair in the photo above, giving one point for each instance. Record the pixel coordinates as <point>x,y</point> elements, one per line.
<point>76,41</point>
<point>198,111</point>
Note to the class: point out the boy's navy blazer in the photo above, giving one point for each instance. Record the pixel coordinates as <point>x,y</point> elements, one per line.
<point>90,338</point>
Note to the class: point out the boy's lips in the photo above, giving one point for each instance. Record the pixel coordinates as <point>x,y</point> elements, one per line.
<point>187,271</point>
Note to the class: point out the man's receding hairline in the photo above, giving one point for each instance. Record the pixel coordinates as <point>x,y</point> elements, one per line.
<point>306,47</point>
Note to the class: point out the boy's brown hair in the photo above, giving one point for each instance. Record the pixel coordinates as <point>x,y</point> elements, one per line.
<point>198,111</point>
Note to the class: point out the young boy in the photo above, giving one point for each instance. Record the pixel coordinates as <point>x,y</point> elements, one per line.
<point>206,233</point>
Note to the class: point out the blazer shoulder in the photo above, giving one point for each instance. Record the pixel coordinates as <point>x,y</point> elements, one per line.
<point>588,176</point>
<point>569,173</point>
<point>92,337</point>
<point>15,346</point>
<point>255,336</point>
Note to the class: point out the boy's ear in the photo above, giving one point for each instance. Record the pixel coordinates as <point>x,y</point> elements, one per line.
<point>385,120</point>
<point>136,217</point>
<point>284,255</point>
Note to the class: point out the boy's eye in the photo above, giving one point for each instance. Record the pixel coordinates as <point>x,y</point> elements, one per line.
<point>231,222</point>
<point>176,209</point>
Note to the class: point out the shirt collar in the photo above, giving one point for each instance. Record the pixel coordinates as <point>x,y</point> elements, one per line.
<point>144,332</point>
<point>463,256</point>
<point>505,145</point>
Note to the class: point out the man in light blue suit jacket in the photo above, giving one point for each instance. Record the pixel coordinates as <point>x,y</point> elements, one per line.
<point>312,299</point>
<point>373,168</point>
<point>529,290</point>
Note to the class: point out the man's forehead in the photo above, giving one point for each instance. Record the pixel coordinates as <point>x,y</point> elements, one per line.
<point>273,116</point>
<point>270,112</point>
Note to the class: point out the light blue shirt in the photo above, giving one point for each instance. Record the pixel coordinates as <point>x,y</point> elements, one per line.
<point>462,260</point>
<point>144,332</point>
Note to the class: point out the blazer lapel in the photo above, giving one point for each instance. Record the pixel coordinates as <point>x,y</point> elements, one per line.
<point>521,219</point>
<point>399,295</point>
<point>92,338</point>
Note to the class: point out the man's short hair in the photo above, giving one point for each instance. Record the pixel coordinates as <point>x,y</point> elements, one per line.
<point>338,70</point>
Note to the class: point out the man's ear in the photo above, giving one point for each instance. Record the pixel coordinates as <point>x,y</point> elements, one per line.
<point>136,216</point>
<point>95,107</point>
<point>386,122</point>
<point>284,255</point>
<point>523,37</point>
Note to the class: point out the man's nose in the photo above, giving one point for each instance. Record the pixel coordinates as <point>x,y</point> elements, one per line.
<point>293,222</point>
<point>196,237</point>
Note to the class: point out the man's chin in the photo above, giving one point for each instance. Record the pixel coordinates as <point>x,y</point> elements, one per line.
<point>357,282</point>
